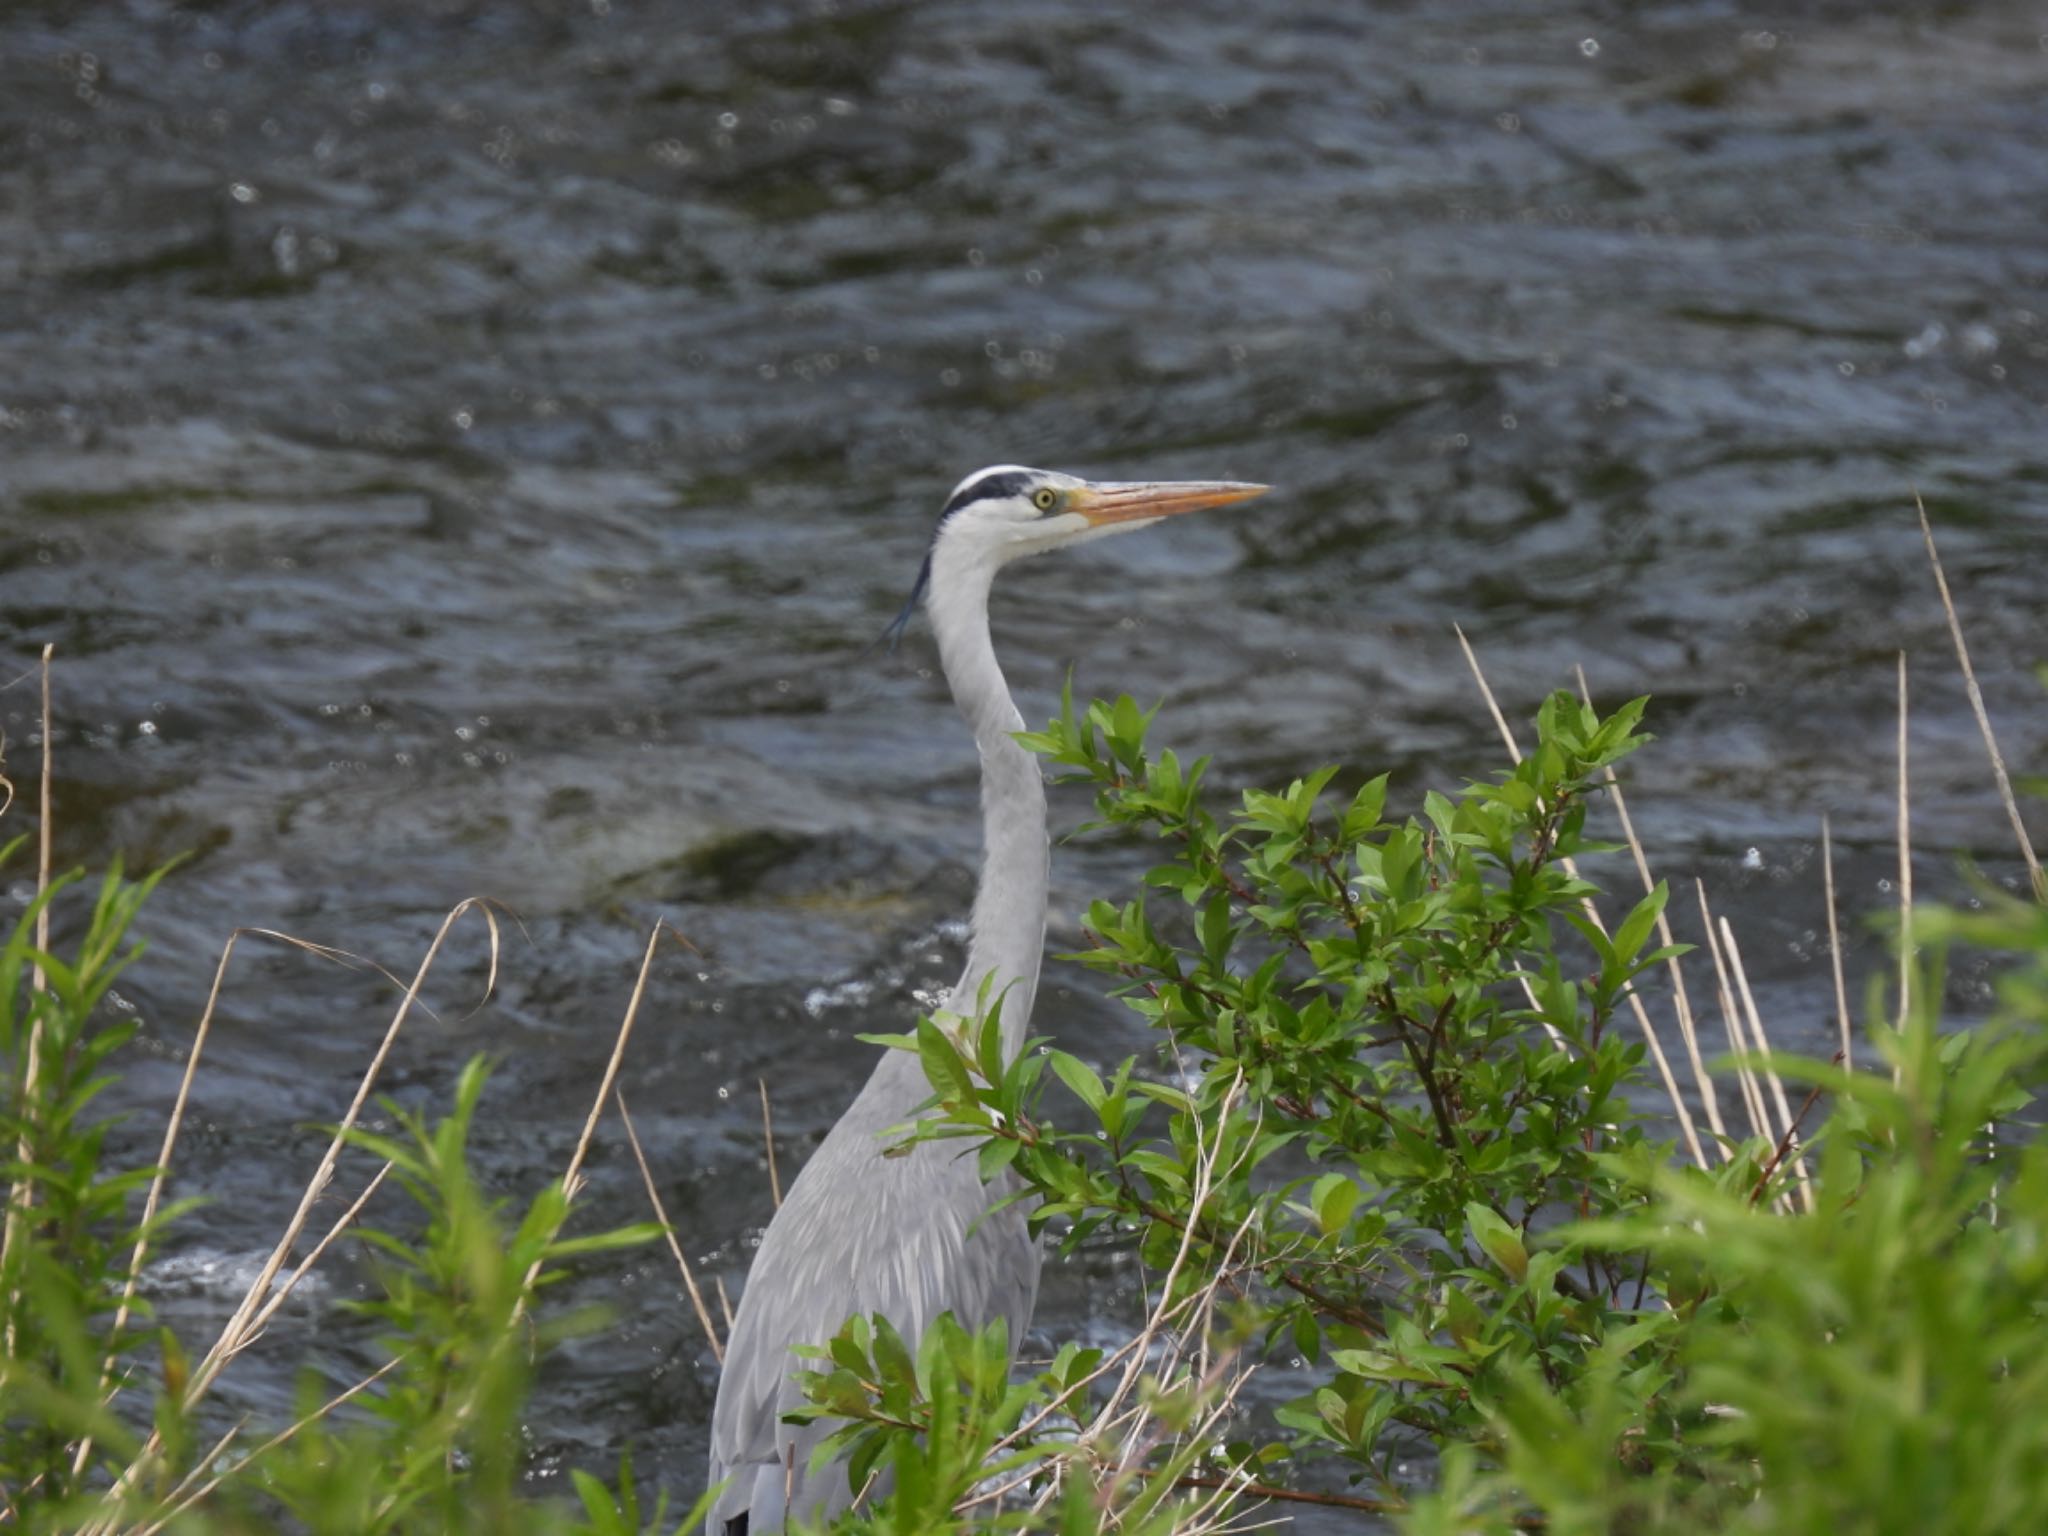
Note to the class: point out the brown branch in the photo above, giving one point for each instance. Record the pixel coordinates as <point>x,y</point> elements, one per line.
<point>1785,1141</point>
<point>1258,1490</point>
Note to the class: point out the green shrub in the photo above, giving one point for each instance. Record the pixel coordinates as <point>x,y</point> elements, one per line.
<point>100,1422</point>
<point>1401,1128</point>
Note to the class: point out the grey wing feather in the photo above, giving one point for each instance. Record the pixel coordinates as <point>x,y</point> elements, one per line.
<point>858,1234</point>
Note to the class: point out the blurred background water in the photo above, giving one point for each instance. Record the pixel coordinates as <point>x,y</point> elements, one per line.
<point>464,448</point>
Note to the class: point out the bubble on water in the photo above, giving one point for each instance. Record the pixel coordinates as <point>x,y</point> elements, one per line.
<point>1590,47</point>
<point>1846,370</point>
<point>1753,858</point>
<point>949,377</point>
<point>464,419</point>
<point>147,727</point>
<point>242,192</point>
<point>728,120</point>
<point>1978,340</point>
<point>1931,338</point>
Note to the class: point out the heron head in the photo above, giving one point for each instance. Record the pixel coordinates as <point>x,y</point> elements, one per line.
<point>1007,511</point>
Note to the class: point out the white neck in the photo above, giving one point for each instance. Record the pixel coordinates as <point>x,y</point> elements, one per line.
<point>1008,939</point>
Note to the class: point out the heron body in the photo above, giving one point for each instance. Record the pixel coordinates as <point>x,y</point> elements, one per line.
<point>912,1236</point>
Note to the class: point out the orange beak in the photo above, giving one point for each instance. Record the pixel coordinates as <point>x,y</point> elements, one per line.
<point>1142,501</point>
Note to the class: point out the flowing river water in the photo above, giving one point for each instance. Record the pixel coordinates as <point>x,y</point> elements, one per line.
<point>464,448</point>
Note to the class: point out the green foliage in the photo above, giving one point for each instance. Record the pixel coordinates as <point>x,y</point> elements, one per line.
<point>1876,1365</point>
<point>432,1444</point>
<point>1391,1109</point>
<point>942,1440</point>
<point>1370,1114</point>
<point>69,1227</point>
<point>439,1448</point>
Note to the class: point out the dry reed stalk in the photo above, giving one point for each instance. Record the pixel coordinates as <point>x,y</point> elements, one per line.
<point>1515,754</point>
<point>768,1140</point>
<point>166,1516</point>
<point>1827,867</point>
<point>1905,869</point>
<point>1786,1120</point>
<point>241,1328</point>
<point>2035,875</point>
<point>1752,1097</point>
<point>572,1176</point>
<point>668,1231</point>
<point>1144,1435</point>
<point>175,1124</point>
<point>281,1292</point>
<point>1685,1121</point>
<point>724,1303</point>
<point>21,1193</point>
<point>1124,1414</point>
<point>233,1337</point>
<point>1664,935</point>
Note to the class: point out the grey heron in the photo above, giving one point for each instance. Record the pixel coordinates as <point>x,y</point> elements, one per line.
<point>857,1233</point>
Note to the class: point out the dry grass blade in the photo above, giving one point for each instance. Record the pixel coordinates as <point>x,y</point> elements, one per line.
<point>1515,752</point>
<point>154,1199</point>
<point>1122,1432</point>
<point>232,1337</point>
<point>572,1176</point>
<point>1827,867</point>
<point>259,1303</point>
<point>724,1303</point>
<point>1687,1128</point>
<point>1752,1096</point>
<point>768,1140</point>
<point>1500,721</point>
<point>175,1124</point>
<point>1785,1122</point>
<point>1905,867</point>
<point>2035,874</point>
<point>281,1292</point>
<point>668,1230</point>
<point>1664,935</point>
<point>165,1517</point>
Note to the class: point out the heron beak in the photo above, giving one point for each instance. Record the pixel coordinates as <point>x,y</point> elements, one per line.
<point>1143,501</point>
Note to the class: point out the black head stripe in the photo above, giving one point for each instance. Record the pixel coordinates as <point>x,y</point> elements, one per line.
<point>989,488</point>
<point>902,620</point>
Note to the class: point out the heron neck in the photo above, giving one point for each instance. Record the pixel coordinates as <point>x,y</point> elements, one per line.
<point>1008,928</point>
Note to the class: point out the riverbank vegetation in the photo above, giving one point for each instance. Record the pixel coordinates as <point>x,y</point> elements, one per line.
<point>1467,1200</point>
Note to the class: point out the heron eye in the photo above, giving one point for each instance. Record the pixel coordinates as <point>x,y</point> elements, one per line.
<point>1045,498</point>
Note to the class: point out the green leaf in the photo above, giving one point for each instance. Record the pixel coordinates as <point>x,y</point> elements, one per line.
<point>1333,1199</point>
<point>1497,1239</point>
<point>1079,1077</point>
<point>943,1064</point>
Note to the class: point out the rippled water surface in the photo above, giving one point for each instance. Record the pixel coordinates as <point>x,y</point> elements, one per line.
<point>465,448</point>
